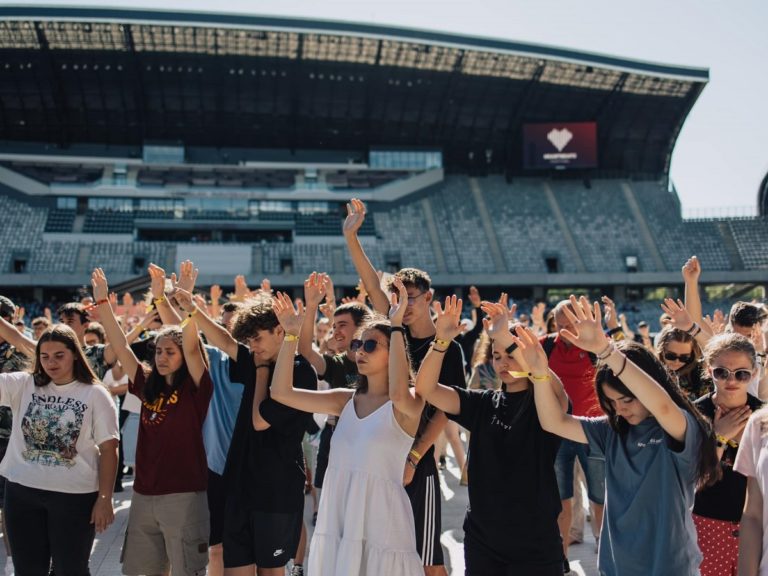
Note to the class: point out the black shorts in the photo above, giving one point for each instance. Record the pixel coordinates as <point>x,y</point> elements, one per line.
<point>266,539</point>
<point>480,561</point>
<point>424,494</point>
<point>323,451</point>
<point>217,501</point>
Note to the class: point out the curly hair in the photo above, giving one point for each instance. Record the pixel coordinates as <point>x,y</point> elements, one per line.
<point>411,277</point>
<point>252,317</point>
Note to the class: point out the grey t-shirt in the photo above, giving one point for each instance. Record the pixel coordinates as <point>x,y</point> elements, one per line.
<point>649,481</point>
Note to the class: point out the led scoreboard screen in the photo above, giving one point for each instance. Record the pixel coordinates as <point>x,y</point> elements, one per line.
<point>559,146</point>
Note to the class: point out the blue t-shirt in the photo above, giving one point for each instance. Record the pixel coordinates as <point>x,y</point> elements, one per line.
<point>222,412</point>
<point>649,481</point>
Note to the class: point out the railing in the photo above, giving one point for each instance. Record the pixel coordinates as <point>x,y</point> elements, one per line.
<point>720,212</point>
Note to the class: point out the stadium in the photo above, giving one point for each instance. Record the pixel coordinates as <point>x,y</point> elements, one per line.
<point>129,137</point>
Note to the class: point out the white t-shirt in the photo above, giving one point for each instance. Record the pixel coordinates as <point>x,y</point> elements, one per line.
<point>55,433</point>
<point>131,403</point>
<point>752,461</point>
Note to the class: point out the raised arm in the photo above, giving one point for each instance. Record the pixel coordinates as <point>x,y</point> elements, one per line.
<point>314,292</point>
<point>366,271</point>
<point>190,339</point>
<point>681,319</point>
<point>691,274</point>
<point>405,399</point>
<point>588,335</point>
<point>281,388</point>
<point>16,339</point>
<point>751,531</point>
<point>112,329</point>
<point>448,327</point>
<point>157,285</point>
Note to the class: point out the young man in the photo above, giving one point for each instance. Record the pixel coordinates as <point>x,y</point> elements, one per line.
<point>100,356</point>
<point>338,370</point>
<point>264,473</point>
<point>420,472</point>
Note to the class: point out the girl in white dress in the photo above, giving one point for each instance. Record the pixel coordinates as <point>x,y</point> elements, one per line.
<point>365,523</point>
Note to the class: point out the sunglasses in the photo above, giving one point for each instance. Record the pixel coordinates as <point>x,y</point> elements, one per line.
<point>724,374</point>
<point>684,358</point>
<point>368,345</point>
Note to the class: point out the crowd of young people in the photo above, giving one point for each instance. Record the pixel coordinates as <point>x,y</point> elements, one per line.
<point>209,401</point>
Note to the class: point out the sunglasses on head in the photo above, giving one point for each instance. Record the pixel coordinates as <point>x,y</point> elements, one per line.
<point>741,375</point>
<point>684,358</point>
<point>368,345</point>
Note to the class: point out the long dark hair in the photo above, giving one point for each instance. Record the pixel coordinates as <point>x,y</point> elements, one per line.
<point>708,468</point>
<point>155,383</point>
<point>81,369</point>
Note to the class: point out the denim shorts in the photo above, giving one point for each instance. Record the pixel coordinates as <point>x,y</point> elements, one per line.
<point>594,471</point>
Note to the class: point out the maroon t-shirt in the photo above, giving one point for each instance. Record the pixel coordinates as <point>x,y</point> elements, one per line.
<point>170,455</point>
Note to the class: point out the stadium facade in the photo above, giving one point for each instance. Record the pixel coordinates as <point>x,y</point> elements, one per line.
<point>134,136</point>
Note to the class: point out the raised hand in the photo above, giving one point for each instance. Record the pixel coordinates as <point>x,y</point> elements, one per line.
<point>691,270</point>
<point>99,285</point>
<point>587,322</point>
<point>758,339</point>
<point>266,287</point>
<point>473,295</point>
<point>127,300</point>
<point>290,318</point>
<point>183,298</point>
<point>609,309</point>
<point>187,276</point>
<point>529,352</point>
<point>497,323</point>
<point>314,290</point>
<point>537,314</point>
<point>448,319</point>
<point>398,303</point>
<point>157,281</point>
<point>241,288</point>
<point>113,300</point>
<point>511,310</point>
<point>147,320</point>
<point>355,216</point>
<point>679,316</point>
<point>216,293</point>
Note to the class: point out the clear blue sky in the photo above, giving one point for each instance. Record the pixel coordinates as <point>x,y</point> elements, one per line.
<point>720,157</point>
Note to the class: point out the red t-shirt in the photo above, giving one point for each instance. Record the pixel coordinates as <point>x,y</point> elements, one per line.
<point>574,368</point>
<point>170,455</point>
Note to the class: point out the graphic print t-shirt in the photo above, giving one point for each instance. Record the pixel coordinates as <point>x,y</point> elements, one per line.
<point>56,431</point>
<point>170,456</point>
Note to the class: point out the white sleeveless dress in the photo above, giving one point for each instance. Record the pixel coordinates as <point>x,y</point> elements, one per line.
<point>365,522</point>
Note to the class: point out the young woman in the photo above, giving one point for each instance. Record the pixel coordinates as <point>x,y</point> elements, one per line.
<point>657,448</point>
<point>365,524</point>
<point>511,522</point>
<point>168,521</point>
<point>61,460</point>
<point>681,354</point>
<point>752,462</point>
<point>731,363</point>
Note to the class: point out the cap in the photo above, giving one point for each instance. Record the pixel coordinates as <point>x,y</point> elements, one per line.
<point>642,324</point>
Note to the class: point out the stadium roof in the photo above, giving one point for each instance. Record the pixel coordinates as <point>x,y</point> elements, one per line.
<point>120,76</point>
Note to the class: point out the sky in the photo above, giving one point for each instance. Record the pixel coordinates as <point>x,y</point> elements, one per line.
<point>720,157</point>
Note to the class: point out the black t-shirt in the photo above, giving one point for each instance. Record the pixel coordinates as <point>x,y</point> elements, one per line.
<point>451,374</point>
<point>340,371</point>
<point>724,500</point>
<point>265,469</point>
<point>513,497</point>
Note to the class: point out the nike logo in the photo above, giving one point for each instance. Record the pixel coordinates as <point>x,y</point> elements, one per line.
<point>277,552</point>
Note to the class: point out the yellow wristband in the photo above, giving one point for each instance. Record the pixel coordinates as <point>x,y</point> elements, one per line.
<point>159,300</point>
<point>291,337</point>
<point>189,316</point>
<point>543,378</point>
<point>441,342</point>
<point>415,454</point>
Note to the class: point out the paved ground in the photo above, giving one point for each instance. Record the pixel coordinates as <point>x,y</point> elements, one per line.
<point>105,560</point>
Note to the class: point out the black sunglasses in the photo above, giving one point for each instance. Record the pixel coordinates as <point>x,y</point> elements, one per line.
<point>368,345</point>
<point>684,358</point>
<point>742,375</point>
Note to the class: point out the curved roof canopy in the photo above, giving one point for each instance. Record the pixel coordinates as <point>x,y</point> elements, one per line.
<point>118,76</point>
